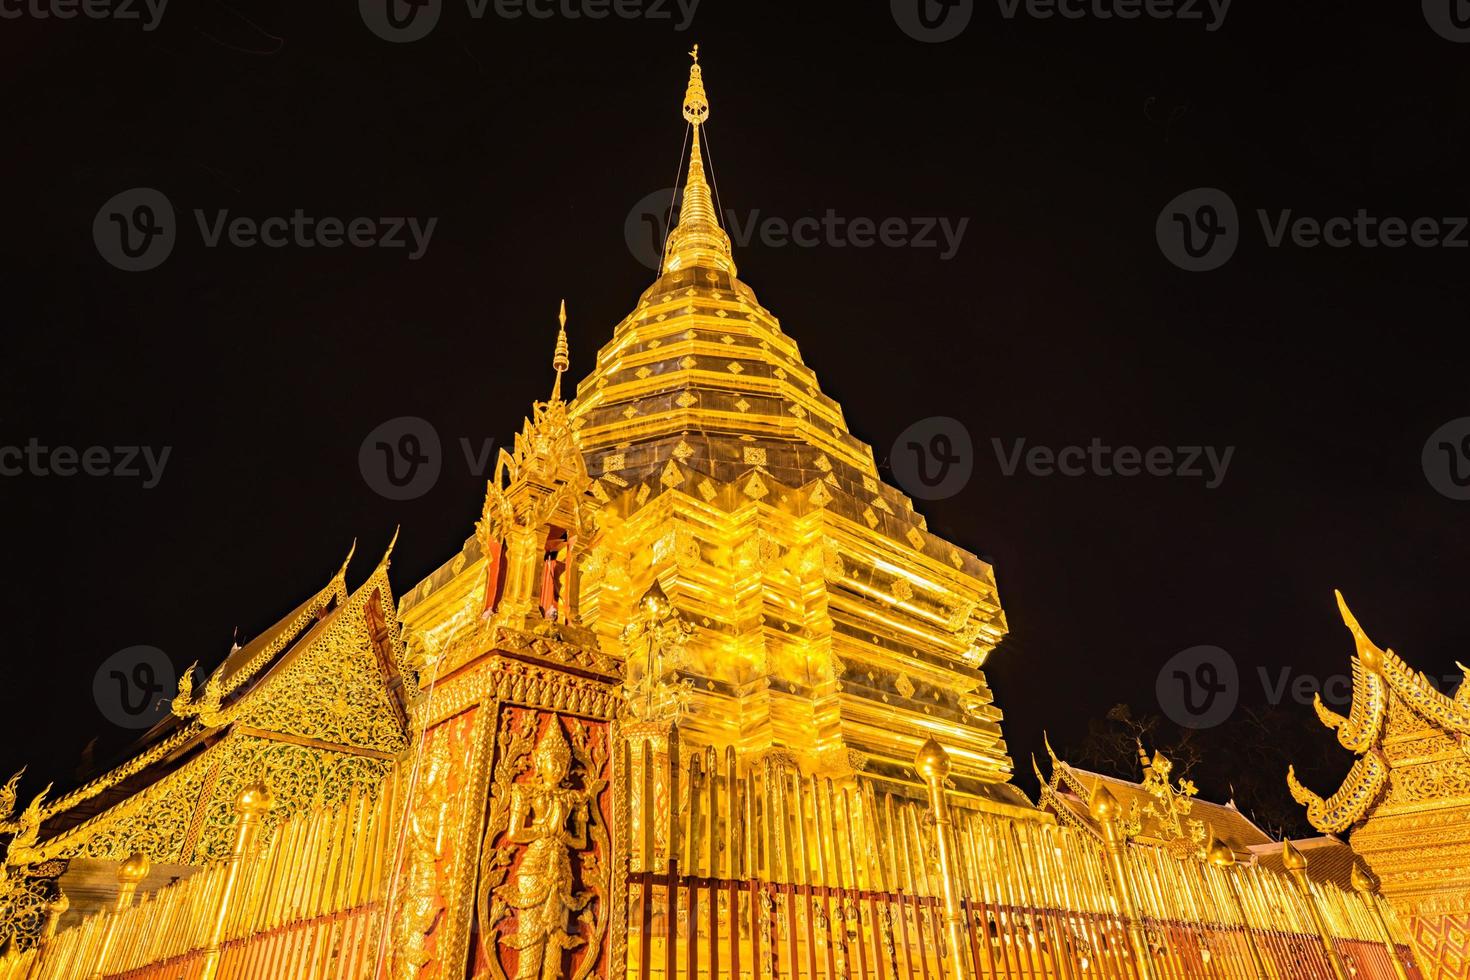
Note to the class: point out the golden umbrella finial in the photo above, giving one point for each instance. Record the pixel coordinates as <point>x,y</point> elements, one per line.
<point>561,359</point>
<point>696,103</point>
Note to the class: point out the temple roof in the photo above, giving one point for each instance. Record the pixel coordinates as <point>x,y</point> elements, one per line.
<point>1329,859</point>
<point>242,689</point>
<point>1157,813</point>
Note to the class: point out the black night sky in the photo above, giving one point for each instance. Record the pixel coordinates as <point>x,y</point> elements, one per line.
<point>1059,320</point>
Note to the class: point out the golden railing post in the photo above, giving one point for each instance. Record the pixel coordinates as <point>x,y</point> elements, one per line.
<point>1296,864</point>
<point>129,875</point>
<point>54,911</point>
<point>933,764</point>
<point>1222,857</point>
<point>1367,886</point>
<point>253,801</point>
<point>1104,809</point>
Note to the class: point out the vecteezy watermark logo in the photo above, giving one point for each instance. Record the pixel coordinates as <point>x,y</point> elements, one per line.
<point>648,223</point>
<point>125,462</point>
<point>1450,19</point>
<point>1198,687</point>
<point>1198,230</point>
<point>402,458</point>
<point>411,20</point>
<point>647,226</point>
<point>1446,459</point>
<point>932,21</point>
<point>135,230</point>
<point>132,688</point>
<point>150,12</point>
<point>400,21</point>
<point>933,458</point>
<point>1207,463</point>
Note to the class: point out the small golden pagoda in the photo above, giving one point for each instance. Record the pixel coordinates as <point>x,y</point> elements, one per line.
<point>1406,801</point>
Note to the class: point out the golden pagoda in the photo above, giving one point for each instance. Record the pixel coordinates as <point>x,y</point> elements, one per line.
<point>1406,801</point>
<point>700,697</point>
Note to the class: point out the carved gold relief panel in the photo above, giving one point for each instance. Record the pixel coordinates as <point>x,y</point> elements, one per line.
<point>545,893</point>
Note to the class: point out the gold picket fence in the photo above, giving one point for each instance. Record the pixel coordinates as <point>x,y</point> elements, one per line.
<point>764,874</point>
<point>770,875</point>
<point>303,901</point>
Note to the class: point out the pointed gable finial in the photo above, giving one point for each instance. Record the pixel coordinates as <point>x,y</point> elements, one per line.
<point>561,359</point>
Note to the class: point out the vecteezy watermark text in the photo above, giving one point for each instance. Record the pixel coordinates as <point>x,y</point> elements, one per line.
<point>1199,230</point>
<point>304,231</point>
<point>136,230</point>
<point>936,21</point>
<point>1210,12</point>
<point>1207,463</point>
<point>149,12</point>
<point>647,227</point>
<point>935,458</point>
<point>124,462</point>
<point>402,21</point>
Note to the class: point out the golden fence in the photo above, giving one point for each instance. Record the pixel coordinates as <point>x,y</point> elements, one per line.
<point>304,901</point>
<point>776,876</point>
<point>766,874</point>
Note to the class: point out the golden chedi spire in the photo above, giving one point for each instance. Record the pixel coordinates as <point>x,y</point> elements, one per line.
<point>698,240</point>
<point>827,621</point>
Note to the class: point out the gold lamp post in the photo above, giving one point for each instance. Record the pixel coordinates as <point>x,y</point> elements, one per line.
<point>130,875</point>
<point>253,802</point>
<point>1367,886</point>
<point>1221,856</point>
<point>1296,863</point>
<point>932,762</point>
<point>1103,808</point>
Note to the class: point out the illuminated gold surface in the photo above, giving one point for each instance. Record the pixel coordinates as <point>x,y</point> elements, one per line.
<point>701,697</point>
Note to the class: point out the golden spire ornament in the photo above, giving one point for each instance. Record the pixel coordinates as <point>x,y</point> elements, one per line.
<point>698,239</point>
<point>561,358</point>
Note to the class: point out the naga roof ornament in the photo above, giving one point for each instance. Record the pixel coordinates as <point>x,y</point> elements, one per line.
<point>1382,684</point>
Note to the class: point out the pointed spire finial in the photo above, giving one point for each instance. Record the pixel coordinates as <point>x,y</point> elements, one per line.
<point>561,358</point>
<point>696,103</point>
<point>698,238</point>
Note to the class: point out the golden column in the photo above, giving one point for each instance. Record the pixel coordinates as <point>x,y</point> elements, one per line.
<point>932,762</point>
<point>129,875</point>
<point>1367,886</point>
<point>253,801</point>
<point>1104,809</point>
<point>1223,858</point>
<point>54,911</point>
<point>1296,863</point>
